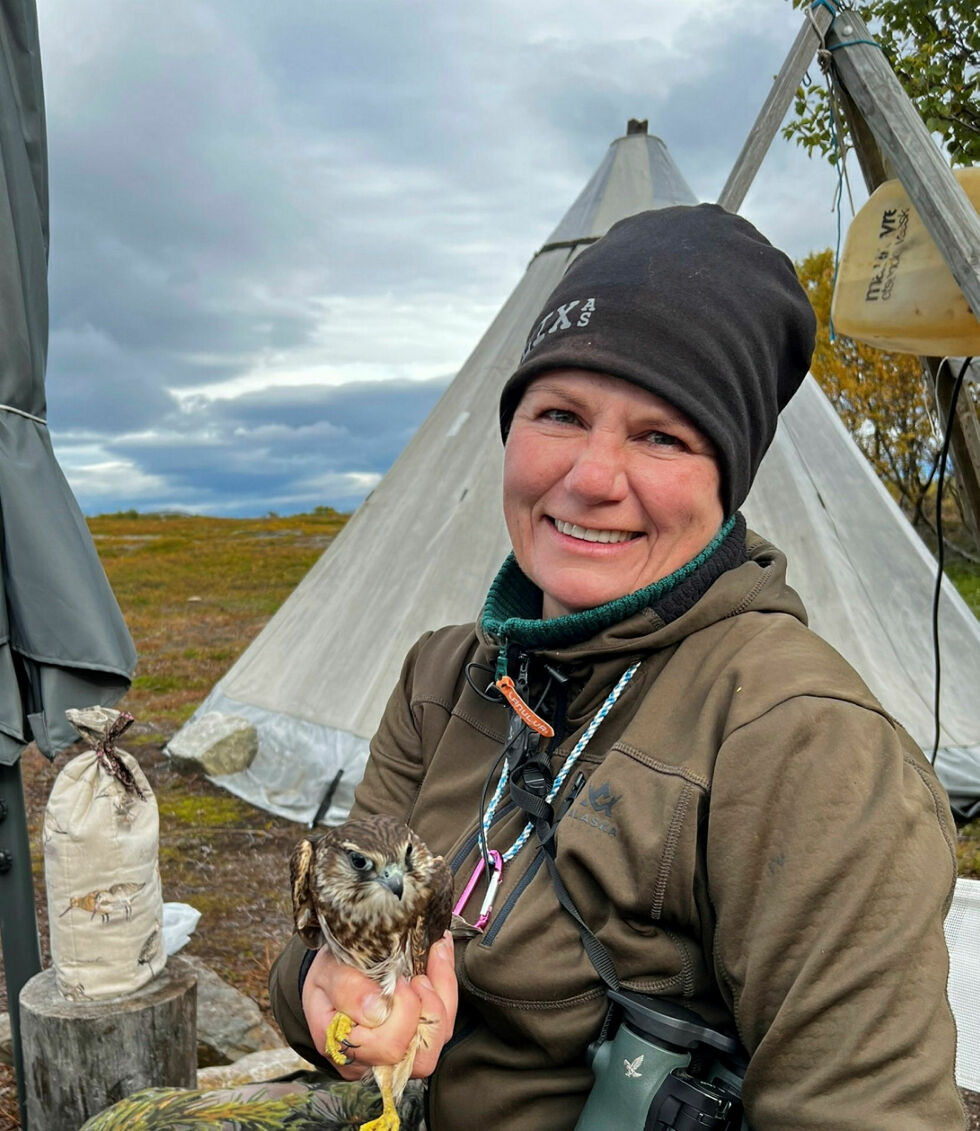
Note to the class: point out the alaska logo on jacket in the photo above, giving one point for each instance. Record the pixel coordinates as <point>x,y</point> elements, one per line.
<point>598,804</point>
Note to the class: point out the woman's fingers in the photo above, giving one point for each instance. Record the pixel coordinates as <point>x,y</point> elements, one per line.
<point>383,1032</point>
<point>441,972</point>
<point>331,988</point>
<point>322,980</point>
<point>389,1042</point>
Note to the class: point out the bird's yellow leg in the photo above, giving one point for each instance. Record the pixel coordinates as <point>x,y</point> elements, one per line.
<point>337,1032</point>
<point>388,1119</point>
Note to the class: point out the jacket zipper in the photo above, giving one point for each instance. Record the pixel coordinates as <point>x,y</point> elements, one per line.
<point>498,919</point>
<point>468,845</point>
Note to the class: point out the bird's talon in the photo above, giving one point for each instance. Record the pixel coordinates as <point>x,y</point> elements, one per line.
<point>387,1121</point>
<point>336,1039</point>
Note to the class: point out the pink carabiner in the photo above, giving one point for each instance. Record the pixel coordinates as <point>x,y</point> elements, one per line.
<point>487,908</point>
<point>497,862</point>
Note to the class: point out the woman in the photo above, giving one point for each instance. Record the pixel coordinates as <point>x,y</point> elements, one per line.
<point>747,831</point>
<point>736,820</point>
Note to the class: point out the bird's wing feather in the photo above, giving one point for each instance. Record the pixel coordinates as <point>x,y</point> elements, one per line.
<point>434,921</point>
<point>304,908</point>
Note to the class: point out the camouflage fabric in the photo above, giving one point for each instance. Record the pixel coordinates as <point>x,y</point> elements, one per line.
<point>325,1105</point>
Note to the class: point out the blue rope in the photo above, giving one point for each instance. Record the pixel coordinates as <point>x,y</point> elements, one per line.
<point>833,9</point>
<point>854,42</point>
<point>570,761</point>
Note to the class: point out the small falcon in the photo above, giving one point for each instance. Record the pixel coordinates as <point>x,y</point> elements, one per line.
<point>374,895</point>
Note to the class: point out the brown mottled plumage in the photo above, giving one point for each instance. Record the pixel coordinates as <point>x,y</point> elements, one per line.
<point>373,894</point>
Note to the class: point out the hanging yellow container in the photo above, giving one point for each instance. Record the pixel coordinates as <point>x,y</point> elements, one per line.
<point>893,287</point>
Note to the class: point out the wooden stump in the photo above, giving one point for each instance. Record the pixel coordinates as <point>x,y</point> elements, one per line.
<point>80,1057</point>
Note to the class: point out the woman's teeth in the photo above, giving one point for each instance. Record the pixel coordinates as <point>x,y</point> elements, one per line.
<point>587,535</point>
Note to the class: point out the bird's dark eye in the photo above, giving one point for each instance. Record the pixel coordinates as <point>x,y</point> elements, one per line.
<point>360,862</point>
<point>408,857</point>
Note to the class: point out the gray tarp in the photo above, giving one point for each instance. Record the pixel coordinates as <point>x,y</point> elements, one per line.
<point>63,642</point>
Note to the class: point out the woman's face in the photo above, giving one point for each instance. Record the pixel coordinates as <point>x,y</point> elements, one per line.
<point>607,488</point>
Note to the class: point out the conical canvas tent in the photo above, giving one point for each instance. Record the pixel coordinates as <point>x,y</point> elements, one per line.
<point>423,548</point>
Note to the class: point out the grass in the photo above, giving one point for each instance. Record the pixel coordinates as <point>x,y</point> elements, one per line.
<point>966,577</point>
<point>968,850</point>
<point>195,591</point>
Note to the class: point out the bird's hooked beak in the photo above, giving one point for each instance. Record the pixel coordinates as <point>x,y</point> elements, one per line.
<point>393,879</point>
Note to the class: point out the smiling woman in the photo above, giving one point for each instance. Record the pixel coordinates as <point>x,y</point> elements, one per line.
<point>644,771</point>
<point>684,791</point>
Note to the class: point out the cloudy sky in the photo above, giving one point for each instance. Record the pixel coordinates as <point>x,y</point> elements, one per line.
<point>277,229</point>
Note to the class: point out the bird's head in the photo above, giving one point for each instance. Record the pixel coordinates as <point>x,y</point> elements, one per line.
<point>367,865</point>
<point>372,868</point>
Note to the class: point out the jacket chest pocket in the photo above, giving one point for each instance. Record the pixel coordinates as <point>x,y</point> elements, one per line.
<point>628,852</point>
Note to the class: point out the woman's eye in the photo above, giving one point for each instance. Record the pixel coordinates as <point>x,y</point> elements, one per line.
<point>663,439</point>
<point>360,862</point>
<point>560,415</point>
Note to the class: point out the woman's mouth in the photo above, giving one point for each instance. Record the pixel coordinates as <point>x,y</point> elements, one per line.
<point>590,534</point>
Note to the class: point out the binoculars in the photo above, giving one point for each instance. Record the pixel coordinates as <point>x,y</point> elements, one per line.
<point>664,1069</point>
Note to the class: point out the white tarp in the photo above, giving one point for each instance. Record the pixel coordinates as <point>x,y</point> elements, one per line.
<point>963,940</point>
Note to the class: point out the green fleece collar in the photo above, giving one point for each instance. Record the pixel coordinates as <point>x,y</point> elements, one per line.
<point>512,612</point>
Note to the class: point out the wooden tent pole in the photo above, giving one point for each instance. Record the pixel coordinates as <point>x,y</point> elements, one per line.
<point>944,207</point>
<point>890,140</point>
<point>964,440</point>
<point>770,117</point>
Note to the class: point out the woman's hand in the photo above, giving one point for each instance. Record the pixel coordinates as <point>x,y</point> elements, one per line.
<point>381,1036</point>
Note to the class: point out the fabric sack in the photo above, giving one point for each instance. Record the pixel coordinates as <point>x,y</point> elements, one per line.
<point>101,838</point>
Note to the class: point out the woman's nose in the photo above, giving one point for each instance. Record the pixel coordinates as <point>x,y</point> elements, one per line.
<point>598,474</point>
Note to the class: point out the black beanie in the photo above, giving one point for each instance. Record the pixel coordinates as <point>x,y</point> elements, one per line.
<point>694,305</point>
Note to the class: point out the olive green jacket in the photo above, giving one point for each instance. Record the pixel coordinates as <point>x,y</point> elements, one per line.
<point>756,837</point>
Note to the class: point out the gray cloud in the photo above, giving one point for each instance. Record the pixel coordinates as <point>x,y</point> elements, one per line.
<point>281,449</point>
<point>254,205</point>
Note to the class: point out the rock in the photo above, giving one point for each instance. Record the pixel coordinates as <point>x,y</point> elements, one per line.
<point>6,1040</point>
<point>256,1068</point>
<point>216,744</point>
<point>229,1024</point>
